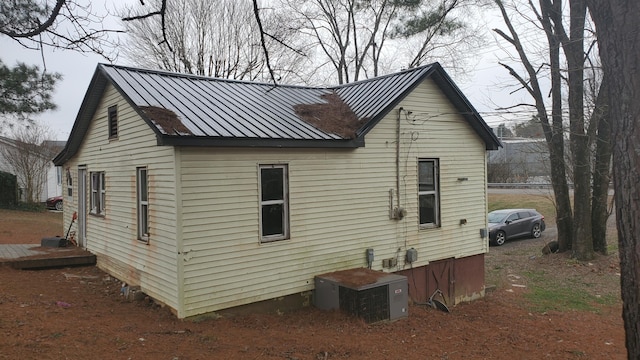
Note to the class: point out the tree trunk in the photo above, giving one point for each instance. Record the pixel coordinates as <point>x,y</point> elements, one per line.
<point>564,218</point>
<point>619,42</point>
<point>582,243</point>
<point>601,171</point>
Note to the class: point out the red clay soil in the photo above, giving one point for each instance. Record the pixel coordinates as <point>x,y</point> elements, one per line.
<point>79,313</point>
<point>26,227</point>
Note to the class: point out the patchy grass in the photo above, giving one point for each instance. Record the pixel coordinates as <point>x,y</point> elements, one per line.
<point>553,282</point>
<point>547,294</point>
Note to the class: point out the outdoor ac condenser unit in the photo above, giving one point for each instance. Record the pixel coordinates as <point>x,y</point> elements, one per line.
<point>371,295</point>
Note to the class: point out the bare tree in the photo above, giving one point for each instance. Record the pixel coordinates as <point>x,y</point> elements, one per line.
<point>29,156</point>
<point>574,223</point>
<point>354,38</point>
<point>619,42</point>
<point>553,128</point>
<point>220,39</point>
<point>35,24</point>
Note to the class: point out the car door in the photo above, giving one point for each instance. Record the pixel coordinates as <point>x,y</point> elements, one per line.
<point>523,223</point>
<point>511,227</point>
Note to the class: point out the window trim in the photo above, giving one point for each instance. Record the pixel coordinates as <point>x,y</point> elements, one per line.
<point>97,197</point>
<point>142,229</point>
<point>435,192</point>
<point>112,123</point>
<point>58,175</point>
<point>69,184</point>
<point>285,202</point>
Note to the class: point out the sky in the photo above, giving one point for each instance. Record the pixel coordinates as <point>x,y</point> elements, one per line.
<point>483,84</point>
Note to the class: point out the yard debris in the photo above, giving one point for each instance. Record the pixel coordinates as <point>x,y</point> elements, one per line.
<point>82,277</point>
<point>550,248</point>
<point>333,116</point>
<point>62,304</point>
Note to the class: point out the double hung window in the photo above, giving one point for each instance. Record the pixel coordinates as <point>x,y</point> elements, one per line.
<point>97,200</point>
<point>143,204</point>
<point>428,193</point>
<point>274,203</point>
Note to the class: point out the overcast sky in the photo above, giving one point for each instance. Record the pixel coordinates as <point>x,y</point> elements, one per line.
<point>484,84</point>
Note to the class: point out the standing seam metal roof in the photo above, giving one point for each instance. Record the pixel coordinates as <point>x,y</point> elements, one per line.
<point>222,112</point>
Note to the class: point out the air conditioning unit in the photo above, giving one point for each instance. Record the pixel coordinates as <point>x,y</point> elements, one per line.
<point>368,294</point>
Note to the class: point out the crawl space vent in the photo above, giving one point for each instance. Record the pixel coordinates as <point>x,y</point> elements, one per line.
<point>371,295</point>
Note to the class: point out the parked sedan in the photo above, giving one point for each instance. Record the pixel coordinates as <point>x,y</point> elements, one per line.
<point>55,203</point>
<point>507,224</point>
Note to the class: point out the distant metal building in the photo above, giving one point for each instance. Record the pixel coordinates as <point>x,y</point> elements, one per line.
<point>520,160</point>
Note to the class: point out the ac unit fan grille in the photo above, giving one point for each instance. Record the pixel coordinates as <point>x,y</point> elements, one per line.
<point>370,304</point>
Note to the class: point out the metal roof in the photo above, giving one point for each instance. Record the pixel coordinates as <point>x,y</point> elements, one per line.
<point>204,111</point>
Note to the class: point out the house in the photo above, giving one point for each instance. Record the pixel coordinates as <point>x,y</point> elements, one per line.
<point>212,194</point>
<point>50,182</point>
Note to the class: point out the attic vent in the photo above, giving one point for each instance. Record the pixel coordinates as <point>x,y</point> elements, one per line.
<point>371,295</point>
<point>113,121</point>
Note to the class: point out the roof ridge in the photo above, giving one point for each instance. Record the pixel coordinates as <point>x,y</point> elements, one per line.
<point>248,82</point>
<point>380,77</point>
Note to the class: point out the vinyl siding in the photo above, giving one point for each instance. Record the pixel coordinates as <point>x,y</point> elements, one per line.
<point>113,237</point>
<point>339,207</point>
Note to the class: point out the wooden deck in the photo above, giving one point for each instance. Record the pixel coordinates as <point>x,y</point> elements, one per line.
<point>31,256</point>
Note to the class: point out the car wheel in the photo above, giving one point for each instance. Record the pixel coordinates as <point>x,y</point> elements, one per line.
<point>59,206</point>
<point>501,237</point>
<point>536,232</point>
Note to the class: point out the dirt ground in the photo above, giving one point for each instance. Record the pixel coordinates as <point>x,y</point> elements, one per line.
<point>79,313</point>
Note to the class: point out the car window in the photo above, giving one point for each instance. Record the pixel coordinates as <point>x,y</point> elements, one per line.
<point>496,216</point>
<point>525,214</point>
<point>513,217</point>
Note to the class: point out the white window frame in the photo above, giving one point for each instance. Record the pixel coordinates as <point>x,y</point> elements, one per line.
<point>435,192</point>
<point>284,202</point>
<point>98,193</point>
<point>69,184</point>
<point>142,188</point>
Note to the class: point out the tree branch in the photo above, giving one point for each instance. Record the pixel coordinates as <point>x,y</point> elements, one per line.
<point>256,12</point>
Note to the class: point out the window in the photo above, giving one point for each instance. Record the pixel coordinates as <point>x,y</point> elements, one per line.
<point>274,203</point>
<point>69,184</point>
<point>143,204</point>
<point>113,121</point>
<point>428,193</point>
<point>59,175</point>
<point>97,193</point>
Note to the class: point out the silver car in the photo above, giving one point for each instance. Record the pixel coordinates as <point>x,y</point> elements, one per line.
<point>507,224</point>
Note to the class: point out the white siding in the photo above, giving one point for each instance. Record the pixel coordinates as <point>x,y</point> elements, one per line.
<point>113,237</point>
<point>339,207</point>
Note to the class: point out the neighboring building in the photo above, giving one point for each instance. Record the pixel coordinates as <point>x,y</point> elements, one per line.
<point>52,185</point>
<point>211,194</point>
<point>520,160</point>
